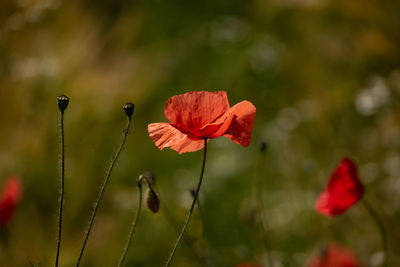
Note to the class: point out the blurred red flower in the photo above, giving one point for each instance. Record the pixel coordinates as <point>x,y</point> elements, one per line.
<point>9,199</point>
<point>335,256</point>
<point>194,116</point>
<point>344,190</point>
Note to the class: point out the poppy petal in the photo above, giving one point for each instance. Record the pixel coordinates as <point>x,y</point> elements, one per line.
<point>166,135</point>
<point>343,191</point>
<point>9,199</point>
<point>241,126</point>
<point>194,110</point>
<point>335,256</point>
<point>219,127</point>
<point>324,206</point>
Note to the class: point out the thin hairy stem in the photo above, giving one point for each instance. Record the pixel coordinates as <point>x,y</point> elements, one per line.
<point>133,227</point>
<point>103,187</point>
<point>263,224</point>
<point>381,228</point>
<point>60,214</point>
<point>191,208</point>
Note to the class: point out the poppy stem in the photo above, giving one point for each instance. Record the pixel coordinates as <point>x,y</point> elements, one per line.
<point>263,224</point>
<point>60,214</point>
<point>103,187</point>
<point>192,207</point>
<point>133,227</point>
<point>381,228</point>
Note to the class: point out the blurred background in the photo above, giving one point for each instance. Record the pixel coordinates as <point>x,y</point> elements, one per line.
<point>323,74</point>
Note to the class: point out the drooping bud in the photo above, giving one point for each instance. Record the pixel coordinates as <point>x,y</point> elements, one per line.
<point>63,101</point>
<point>152,200</point>
<point>129,108</point>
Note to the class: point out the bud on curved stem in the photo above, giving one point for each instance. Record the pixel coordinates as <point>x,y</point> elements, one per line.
<point>151,196</point>
<point>106,179</point>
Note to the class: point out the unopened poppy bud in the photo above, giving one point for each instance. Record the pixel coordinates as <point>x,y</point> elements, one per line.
<point>129,108</point>
<point>152,200</point>
<point>63,101</point>
<point>263,146</point>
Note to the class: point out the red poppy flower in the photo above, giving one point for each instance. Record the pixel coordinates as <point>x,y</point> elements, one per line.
<point>197,115</point>
<point>335,256</point>
<point>9,199</point>
<point>343,191</point>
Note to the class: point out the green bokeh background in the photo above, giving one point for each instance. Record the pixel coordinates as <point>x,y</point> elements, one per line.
<point>323,74</point>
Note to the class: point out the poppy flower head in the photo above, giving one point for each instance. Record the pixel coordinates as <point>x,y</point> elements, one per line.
<point>335,256</point>
<point>9,199</point>
<point>195,116</point>
<point>343,191</point>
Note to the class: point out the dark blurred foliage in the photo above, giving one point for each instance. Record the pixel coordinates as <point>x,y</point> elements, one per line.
<point>323,74</point>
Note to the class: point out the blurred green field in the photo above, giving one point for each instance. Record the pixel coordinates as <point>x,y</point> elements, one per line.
<point>324,76</point>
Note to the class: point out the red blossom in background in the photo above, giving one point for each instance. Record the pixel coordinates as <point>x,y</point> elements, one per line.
<point>9,199</point>
<point>343,191</point>
<point>194,116</point>
<point>335,256</point>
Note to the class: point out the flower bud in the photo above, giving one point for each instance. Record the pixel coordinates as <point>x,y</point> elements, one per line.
<point>129,108</point>
<point>152,200</point>
<point>63,101</point>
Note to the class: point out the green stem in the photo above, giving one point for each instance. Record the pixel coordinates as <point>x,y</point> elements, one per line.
<point>103,187</point>
<point>134,223</point>
<point>381,228</point>
<point>191,208</point>
<point>60,215</point>
<point>261,208</point>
